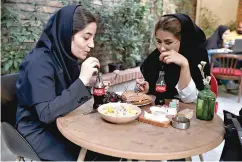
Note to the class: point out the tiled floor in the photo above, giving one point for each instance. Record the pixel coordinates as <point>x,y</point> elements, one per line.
<point>226,102</point>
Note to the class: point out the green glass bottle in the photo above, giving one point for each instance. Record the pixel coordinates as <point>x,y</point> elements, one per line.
<point>205,104</point>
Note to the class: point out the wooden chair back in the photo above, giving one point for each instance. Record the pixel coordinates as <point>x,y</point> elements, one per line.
<point>227,63</point>
<point>227,69</point>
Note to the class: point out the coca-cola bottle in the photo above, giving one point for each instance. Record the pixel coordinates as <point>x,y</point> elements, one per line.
<point>98,91</point>
<point>160,87</point>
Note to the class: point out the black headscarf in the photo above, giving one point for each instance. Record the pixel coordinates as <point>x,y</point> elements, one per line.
<point>56,37</point>
<point>215,41</point>
<point>52,49</point>
<point>192,47</point>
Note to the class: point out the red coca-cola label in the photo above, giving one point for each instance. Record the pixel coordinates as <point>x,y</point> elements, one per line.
<point>160,88</point>
<point>98,91</point>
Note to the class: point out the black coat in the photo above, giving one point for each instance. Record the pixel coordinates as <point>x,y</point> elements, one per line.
<point>48,87</point>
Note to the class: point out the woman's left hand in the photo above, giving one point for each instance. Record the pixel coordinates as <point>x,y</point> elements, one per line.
<point>173,57</point>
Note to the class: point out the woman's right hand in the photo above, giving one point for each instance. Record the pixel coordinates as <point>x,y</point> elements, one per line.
<point>88,68</point>
<point>142,86</point>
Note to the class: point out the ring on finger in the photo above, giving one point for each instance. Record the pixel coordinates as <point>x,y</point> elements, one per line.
<point>166,58</point>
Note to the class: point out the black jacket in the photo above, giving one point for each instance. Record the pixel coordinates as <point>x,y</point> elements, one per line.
<point>48,87</point>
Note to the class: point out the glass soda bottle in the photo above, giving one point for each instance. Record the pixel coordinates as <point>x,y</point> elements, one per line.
<point>98,91</point>
<point>160,87</point>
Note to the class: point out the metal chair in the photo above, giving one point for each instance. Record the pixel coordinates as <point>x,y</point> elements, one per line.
<point>13,139</point>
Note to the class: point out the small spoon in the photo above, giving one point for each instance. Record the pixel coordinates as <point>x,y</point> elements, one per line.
<point>90,112</point>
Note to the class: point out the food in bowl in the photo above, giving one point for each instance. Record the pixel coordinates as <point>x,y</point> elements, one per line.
<point>119,111</point>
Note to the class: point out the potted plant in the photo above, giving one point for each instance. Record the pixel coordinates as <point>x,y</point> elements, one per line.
<point>125,31</point>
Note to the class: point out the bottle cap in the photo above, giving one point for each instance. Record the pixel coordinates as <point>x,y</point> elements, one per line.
<point>173,104</point>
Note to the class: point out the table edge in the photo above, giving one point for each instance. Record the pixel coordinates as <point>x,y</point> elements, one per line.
<point>140,155</point>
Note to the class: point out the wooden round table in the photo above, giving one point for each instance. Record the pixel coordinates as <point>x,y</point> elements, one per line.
<point>137,140</point>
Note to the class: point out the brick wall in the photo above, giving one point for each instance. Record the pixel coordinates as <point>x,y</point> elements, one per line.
<point>239,12</point>
<point>171,6</point>
<point>43,9</point>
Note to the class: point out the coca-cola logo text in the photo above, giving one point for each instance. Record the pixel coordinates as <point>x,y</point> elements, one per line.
<point>98,91</point>
<point>160,88</point>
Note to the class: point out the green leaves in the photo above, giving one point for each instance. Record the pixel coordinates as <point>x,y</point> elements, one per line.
<point>11,60</point>
<point>19,31</point>
<point>8,65</point>
<point>9,23</point>
<point>124,28</point>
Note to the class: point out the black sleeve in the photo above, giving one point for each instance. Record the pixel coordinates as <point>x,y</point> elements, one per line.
<point>70,99</point>
<point>195,72</point>
<point>150,71</point>
<point>89,88</point>
<point>41,93</point>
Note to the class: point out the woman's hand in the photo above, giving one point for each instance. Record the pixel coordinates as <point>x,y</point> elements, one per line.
<point>173,57</point>
<point>142,86</point>
<point>88,68</point>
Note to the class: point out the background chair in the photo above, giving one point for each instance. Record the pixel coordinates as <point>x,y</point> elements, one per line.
<point>13,139</point>
<point>227,69</point>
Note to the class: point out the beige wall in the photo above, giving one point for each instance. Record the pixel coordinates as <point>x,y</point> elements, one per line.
<point>225,10</point>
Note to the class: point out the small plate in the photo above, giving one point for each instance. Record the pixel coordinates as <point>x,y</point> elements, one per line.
<point>152,97</point>
<point>143,104</point>
<point>138,99</point>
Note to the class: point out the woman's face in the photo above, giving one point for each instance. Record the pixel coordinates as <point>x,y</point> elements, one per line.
<point>166,41</point>
<point>82,41</point>
<point>225,34</point>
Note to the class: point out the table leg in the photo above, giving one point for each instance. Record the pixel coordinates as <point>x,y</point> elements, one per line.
<point>188,159</point>
<point>201,157</point>
<point>19,159</point>
<point>82,154</point>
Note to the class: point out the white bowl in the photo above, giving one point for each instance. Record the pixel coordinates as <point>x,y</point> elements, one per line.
<point>119,119</point>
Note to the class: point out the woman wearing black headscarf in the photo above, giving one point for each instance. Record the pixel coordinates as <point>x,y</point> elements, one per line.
<point>215,44</point>
<point>180,48</point>
<point>50,84</point>
<point>216,40</point>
